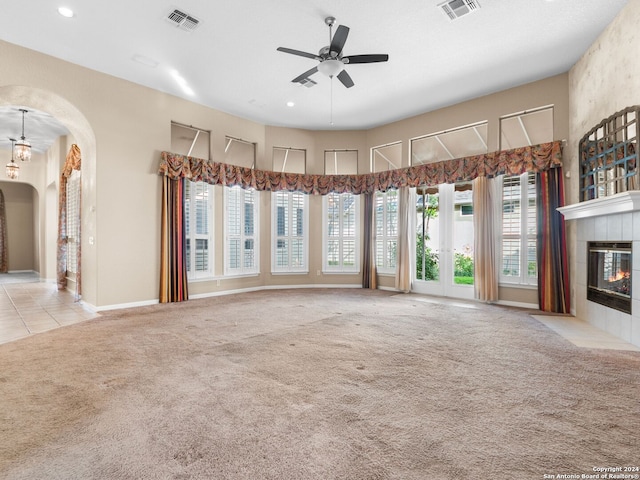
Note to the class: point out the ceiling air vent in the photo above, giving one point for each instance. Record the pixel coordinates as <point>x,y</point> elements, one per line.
<point>457,8</point>
<point>182,20</point>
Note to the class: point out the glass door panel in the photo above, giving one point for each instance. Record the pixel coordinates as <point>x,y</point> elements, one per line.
<point>444,241</point>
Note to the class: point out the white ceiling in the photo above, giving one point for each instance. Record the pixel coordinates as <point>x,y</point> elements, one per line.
<point>231,63</point>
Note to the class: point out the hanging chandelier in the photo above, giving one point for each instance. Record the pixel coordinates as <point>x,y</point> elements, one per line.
<point>22,148</point>
<point>13,169</point>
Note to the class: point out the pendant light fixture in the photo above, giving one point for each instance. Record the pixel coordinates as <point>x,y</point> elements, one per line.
<point>22,149</point>
<point>13,169</point>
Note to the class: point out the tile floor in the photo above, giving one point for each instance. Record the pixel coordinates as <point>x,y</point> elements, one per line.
<point>583,334</point>
<point>28,306</point>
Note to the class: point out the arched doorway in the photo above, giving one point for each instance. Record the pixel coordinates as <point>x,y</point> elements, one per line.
<point>82,134</point>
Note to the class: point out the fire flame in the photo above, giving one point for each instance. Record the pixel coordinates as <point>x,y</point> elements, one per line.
<point>619,276</point>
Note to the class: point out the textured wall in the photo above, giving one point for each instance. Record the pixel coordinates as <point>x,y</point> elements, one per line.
<point>605,80</point>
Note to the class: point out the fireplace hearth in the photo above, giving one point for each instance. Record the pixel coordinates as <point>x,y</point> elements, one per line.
<point>609,274</point>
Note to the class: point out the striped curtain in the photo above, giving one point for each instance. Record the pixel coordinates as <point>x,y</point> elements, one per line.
<point>553,272</point>
<point>369,257</point>
<point>173,266</point>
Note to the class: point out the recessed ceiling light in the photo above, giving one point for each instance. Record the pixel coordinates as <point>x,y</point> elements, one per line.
<point>65,12</point>
<point>290,104</point>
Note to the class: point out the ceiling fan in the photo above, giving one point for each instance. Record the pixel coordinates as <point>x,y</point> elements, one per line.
<point>330,57</point>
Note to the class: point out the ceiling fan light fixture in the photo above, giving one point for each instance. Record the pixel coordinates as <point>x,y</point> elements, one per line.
<point>331,67</point>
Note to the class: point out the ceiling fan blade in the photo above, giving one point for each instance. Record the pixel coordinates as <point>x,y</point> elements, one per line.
<point>339,39</point>
<point>306,74</point>
<point>299,53</point>
<point>351,59</point>
<point>344,77</point>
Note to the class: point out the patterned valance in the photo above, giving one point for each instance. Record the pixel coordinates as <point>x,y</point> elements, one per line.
<point>511,162</point>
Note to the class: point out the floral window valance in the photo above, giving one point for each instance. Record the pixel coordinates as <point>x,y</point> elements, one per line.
<point>535,158</point>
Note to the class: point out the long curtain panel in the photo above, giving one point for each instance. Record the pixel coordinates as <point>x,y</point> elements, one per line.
<point>553,272</point>
<point>72,162</point>
<point>4,250</point>
<point>484,221</point>
<point>369,279</point>
<point>173,265</point>
<point>403,270</point>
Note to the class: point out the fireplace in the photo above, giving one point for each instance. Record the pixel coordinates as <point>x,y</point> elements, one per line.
<point>609,274</point>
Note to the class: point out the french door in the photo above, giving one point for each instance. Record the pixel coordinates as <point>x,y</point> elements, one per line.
<point>444,241</point>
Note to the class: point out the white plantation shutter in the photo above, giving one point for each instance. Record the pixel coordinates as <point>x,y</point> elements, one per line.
<point>341,232</point>
<point>289,229</point>
<point>73,221</point>
<point>199,229</point>
<point>386,226</point>
<point>241,236</point>
<point>518,259</point>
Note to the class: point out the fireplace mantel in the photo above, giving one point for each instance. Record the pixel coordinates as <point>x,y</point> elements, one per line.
<point>618,203</point>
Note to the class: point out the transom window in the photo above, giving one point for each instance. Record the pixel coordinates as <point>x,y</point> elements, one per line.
<point>530,127</point>
<point>239,152</point>
<point>449,144</point>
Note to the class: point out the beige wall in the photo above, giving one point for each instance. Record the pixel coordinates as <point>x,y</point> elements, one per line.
<point>121,129</point>
<point>21,207</point>
<point>605,80</point>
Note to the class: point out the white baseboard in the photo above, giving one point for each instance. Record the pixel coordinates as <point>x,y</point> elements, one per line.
<point>506,303</point>
<point>120,306</point>
<point>196,296</point>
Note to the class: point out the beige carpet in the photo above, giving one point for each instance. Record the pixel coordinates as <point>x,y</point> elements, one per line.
<point>314,384</point>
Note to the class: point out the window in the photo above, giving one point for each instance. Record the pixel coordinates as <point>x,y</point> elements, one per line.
<point>198,202</point>
<point>519,225</point>
<point>341,232</point>
<point>386,225</point>
<point>198,213</point>
<point>239,152</point>
<point>383,158</point>
<point>242,235</point>
<point>386,157</point>
<point>291,160</point>
<point>518,257</point>
<point>341,217</point>
<point>341,162</point>
<point>73,221</point>
<point>241,219</point>
<point>527,128</point>
<point>449,144</point>
<point>289,249</point>
<point>290,226</point>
